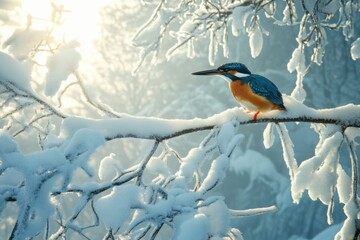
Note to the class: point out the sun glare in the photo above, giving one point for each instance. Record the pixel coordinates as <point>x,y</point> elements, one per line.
<point>79,18</point>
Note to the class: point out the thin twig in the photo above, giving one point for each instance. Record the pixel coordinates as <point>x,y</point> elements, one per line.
<point>92,102</point>
<point>31,123</point>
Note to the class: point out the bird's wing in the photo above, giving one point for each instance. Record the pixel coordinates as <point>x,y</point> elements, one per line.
<point>264,87</point>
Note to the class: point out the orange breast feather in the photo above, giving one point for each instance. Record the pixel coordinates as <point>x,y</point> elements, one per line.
<point>246,97</point>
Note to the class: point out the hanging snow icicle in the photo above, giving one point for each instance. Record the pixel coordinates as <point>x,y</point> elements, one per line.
<point>255,41</point>
<point>212,48</point>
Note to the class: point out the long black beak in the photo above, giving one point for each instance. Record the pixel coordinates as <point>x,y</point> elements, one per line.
<point>208,72</point>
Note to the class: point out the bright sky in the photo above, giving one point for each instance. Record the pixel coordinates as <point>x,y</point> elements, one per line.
<point>80,18</point>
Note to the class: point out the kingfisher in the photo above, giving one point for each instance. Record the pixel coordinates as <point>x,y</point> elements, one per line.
<point>254,92</point>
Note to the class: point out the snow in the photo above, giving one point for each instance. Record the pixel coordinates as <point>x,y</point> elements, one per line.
<point>297,62</point>
<point>299,92</point>
<point>115,208</point>
<point>162,207</point>
<point>348,229</point>
<point>15,72</point>
<point>318,174</point>
<point>289,19</point>
<point>41,203</point>
<point>82,141</point>
<point>288,149</point>
<point>352,133</point>
<point>318,186</point>
<point>255,41</point>
<point>31,164</point>
<point>218,216</point>
<point>194,228</point>
<point>318,55</point>
<point>213,48</point>
<point>187,28</point>
<point>109,168</point>
<point>23,41</point>
<point>7,145</point>
<point>60,65</point>
<point>38,162</point>
<point>11,177</point>
<point>185,199</point>
<point>251,212</point>
<point>190,163</point>
<point>268,135</point>
<point>158,165</point>
<point>286,14</point>
<point>80,146</point>
<point>216,173</point>
<point>38,173</point>
<point>146,127</point>
<point>227,132</point>
<point>191,49</point>
<point>343,185</point>
<point>225,43</point>
<point>355,49</point>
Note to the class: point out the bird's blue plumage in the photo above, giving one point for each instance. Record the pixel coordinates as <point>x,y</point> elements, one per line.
<point>264,87</point>
<point>239,67</point>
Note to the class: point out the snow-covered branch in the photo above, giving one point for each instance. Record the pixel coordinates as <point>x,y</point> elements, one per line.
<point>252,212</point>
<point>162,129</point>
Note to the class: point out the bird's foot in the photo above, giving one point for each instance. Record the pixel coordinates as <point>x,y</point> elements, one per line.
<point>255,116</point>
